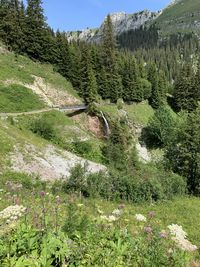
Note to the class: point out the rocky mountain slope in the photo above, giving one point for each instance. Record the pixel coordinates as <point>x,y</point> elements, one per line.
<point>179,16</point>
<point>121,22</point>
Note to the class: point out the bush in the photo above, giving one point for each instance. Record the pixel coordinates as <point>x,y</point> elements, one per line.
<point>160,128</point>
<point>43,128</point>
<point>147,184</point>
<point>27,181</point>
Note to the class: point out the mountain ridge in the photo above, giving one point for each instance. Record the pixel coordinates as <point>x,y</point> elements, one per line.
<point>121,22</point>
<point>179,16</point>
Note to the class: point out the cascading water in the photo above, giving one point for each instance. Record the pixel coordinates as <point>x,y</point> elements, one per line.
<point>107,127</point>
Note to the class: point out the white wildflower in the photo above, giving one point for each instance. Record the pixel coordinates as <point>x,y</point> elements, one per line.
<point>117,212</point>
<point>179,236</point>
<point>12,212</point>
<point>140,218</point>
<point>103,217</point>
<point>100,211</point>
<point>111,218</point>
<point>177,230</point>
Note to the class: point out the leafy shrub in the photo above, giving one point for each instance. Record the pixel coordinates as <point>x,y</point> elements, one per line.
<point>43,128</point>
<point>86,149</point>
<point>160,128</point>
<point>27,181</point>
<point>82,147</point>
<point>147,184</point>
<point>182,153</point>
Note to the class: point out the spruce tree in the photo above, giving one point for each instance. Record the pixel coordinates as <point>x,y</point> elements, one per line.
<point>90,93</point>
<point>63,58</point>
<point>103,85</point>
<point>156,95</point>
<point>35,29</point>
<point>109,46</point>
<point>110,63</point>
<point>184,90</point>
<point>183,153</point>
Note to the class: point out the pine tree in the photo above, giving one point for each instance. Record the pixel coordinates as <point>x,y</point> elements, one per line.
<point>35,29</point>
<point>156,96</point>
<point>183,154</point>
<point>115,86</point>
<point>109,46</point>
<point>76,66</point>
<point>90,93</point>
<point>63,58</point>
<point>11,24</point>
<point>110,63</point>
<point>103,85</point>
<point>130,80</point>
<point>183,95</point>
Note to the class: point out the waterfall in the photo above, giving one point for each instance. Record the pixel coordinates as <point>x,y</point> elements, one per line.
<point>107,127</point>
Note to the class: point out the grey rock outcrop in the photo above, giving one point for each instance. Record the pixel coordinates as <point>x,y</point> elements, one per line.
<point>122,22</point>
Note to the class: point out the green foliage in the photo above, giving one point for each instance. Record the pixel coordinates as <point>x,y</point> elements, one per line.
<point>183,152</point>
<point>77,223</point>
<point>91,232</point>
<point>43,128</point>
<point>159,86</point>
<point>90,93</point>
<point>160,128</point>
<point>21,178</point>
<point>175,17</point>
<point>28,247</point>
<point>86,243</point>
<point>186,90</point>
<point>35,29</point>
<point>16,98</point>
<point>116,151</point>
<point>145,184</point>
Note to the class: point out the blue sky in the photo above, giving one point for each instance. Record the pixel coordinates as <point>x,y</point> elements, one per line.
<point>80,14</point>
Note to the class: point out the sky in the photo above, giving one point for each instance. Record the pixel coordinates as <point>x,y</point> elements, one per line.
<point>79,14</point>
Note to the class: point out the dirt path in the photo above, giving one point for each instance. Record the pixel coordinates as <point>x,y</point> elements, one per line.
<point>62,109</point>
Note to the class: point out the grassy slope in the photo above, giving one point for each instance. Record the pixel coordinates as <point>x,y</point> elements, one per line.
<point>10,136</point>
<point>17,98</point>
<point>21,68</point>
<point>180,17</point>
<point>182,211</point>
<point>137,113</point>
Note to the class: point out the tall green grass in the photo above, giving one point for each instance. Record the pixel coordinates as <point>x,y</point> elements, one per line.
<point>17,98</point>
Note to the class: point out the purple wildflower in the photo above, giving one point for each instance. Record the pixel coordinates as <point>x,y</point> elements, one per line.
<point>121,206</point>
<point>163,235</point>
<point>58,200</point>
<point>42,194</point>
<point>152,214</point>
<point>148,229</point>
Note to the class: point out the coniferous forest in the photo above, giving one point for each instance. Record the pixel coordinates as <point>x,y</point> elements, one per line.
<point>138,67</point>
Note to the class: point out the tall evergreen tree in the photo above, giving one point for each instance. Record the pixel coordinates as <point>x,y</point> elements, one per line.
<point>35,29</point>
<point>183,95</point>
<point>183,153</point>
<point>90,93</point>
<point>156,99</point>
<point>109,56</point>
<point>63,58</point>
<point>130,80</point>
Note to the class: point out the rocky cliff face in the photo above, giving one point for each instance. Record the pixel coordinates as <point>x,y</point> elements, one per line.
<point>121,22</point>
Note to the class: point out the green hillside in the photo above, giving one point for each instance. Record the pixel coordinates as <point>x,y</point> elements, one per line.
<point>183,16</point>
<point>36,85</point>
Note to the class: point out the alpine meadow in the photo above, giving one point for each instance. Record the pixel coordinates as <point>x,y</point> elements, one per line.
<point>100,138</point>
